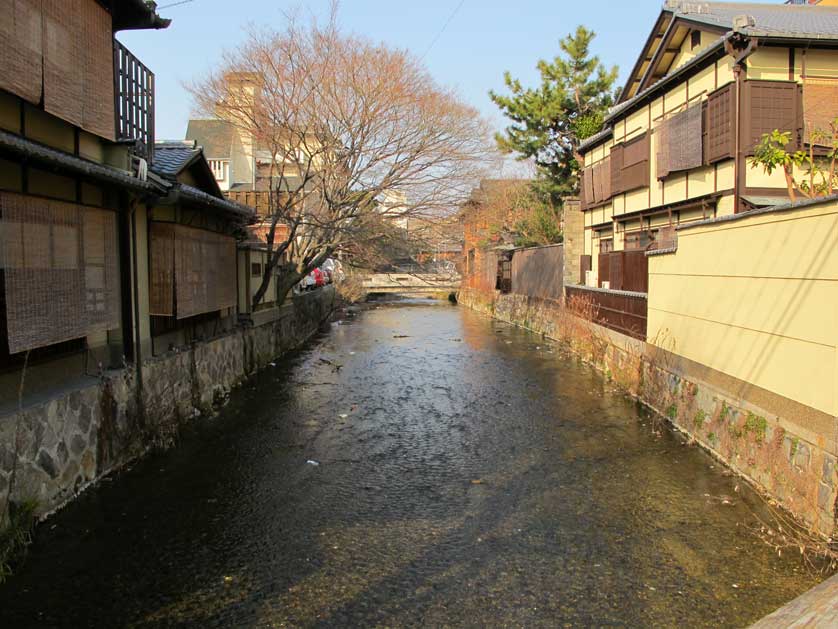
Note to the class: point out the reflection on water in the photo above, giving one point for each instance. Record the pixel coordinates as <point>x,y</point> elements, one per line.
<point>468,474</point>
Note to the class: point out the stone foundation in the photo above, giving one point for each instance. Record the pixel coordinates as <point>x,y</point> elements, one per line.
<point>77,437</point>
<point>787,450</point>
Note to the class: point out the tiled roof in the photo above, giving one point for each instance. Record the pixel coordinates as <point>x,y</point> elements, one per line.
<point>38,153</point>
<point>595,139</point>
<point>779,20</point>
<point>171,158</point>
<point>207,200</point>
<point>216,136</point>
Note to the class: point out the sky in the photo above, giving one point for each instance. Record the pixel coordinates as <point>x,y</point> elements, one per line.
<point>465,44</point>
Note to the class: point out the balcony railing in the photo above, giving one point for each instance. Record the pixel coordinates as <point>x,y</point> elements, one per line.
<point>134,100</point>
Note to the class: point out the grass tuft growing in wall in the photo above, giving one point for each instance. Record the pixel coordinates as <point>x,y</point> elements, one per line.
<point>16,536</point>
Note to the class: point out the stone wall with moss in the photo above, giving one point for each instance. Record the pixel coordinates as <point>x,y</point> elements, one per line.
<point>785,449</point>
<point>70,440</point>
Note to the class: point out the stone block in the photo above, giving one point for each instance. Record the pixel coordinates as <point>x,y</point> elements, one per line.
<point>62,453</point>
<point>77,445</point>
<point>826,498</point>
<point>47,464</point>
<point>828,473</point>
<point>803,456</point>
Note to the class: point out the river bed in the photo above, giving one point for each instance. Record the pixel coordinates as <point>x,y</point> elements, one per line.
<point>417,465</point>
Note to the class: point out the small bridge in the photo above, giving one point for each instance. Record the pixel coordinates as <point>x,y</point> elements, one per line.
<point>412,283</point>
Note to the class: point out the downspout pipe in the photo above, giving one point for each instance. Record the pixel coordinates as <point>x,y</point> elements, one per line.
<point>734,41</point>
<point>135,275</point>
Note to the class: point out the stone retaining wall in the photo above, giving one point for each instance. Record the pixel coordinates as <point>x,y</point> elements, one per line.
<point>787,450</point>
<point>75,438</point>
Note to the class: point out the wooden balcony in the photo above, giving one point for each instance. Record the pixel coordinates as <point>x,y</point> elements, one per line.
<point>133,100</point>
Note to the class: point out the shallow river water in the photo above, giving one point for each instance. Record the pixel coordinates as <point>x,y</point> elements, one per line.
<point>417,465</point>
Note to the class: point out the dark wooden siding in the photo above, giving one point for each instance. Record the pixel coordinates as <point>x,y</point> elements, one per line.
<point>617,169</point>
<point>621,312</point>
<point>624,270</point>
<point>635,164</point>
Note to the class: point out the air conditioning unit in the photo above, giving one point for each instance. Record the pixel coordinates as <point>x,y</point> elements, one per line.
<point>590,279</point>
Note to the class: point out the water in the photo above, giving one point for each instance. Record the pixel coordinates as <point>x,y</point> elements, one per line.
<point>479,478</point>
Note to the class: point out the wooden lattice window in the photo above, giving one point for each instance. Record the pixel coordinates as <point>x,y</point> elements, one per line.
<point>770,105</point>
<point>720,124</point>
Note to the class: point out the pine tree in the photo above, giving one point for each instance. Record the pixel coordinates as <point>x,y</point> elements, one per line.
<point>548,122</point>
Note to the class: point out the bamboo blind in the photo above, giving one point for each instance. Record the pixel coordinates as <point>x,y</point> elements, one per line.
<point>97,47</point>
<point>680,141</point>
<point>61,271</point>
<point>64,60</point>
<point>21,69</point>
<point>820,107</point>
<point>205,271</point>
<point>162,269</point>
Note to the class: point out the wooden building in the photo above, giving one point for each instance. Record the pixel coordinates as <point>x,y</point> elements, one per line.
<point>710,80</point>
<point>83,196</point>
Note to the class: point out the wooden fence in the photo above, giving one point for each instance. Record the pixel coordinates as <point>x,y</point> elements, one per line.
<point>624,270</point>
<point>538,272</point>
<point>621,311</point>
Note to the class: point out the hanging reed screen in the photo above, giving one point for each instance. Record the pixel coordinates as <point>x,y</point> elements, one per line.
<point>61,270</point>
<point>820,109</point>
<point>205,271</point>
<point>21,68</point>
<point>680,142</point>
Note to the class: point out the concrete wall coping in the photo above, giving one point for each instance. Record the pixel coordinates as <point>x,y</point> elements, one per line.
<point>608,291</point>
<point>799,205</point>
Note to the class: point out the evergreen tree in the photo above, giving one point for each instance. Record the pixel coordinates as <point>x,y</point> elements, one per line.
<point>548,122</point>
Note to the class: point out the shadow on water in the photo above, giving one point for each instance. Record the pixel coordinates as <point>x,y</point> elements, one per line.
<point>467,473</point>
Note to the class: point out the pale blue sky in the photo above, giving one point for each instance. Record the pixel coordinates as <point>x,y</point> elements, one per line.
<point>484,38</point>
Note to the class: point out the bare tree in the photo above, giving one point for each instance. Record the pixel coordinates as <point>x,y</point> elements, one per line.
<point>339,122</point>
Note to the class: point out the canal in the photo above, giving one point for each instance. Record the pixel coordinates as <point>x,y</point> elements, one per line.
<point>416,465</point>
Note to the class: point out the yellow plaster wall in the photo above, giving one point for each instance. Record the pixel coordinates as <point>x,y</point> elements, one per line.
<point>90,147</point>
<point>755,298</point>
<point>49,184</point>
<point>10,176</point>
<point>769,64</point>
<point>49,130</point>
<point>9,112</point>
<point>817,62</point>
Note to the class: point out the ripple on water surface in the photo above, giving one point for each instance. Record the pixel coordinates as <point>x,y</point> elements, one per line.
<point>417,465</point>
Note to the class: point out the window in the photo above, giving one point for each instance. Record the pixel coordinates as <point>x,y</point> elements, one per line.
<point>679,141</point>
<point>719,124</point>
<point>769,105</point>
<point>256,269</point>
<point>640,239</point>
<point>606,245</point>
<point>695,40</point>
<point>219,169</point>
<point>630,165</point>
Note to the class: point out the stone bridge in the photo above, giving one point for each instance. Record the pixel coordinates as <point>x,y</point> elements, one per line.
<point>412,283</point>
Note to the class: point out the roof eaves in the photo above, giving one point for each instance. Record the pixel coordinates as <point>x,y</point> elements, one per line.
<point>595,139</point>
<point>29,150</point>
<point>190,193</point>
<point>706,54</point>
